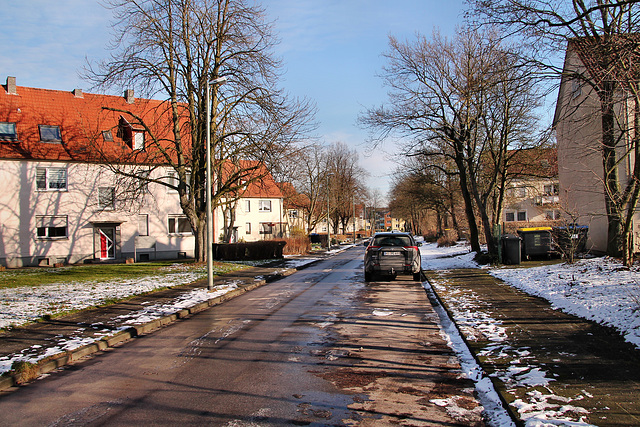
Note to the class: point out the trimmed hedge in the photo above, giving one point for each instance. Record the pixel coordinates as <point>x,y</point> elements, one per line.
<point>265,249</point>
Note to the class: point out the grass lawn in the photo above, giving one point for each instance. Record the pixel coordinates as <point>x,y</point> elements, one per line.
<point>35,276</point>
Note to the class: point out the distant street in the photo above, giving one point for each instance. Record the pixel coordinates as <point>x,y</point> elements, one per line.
<point>317,348</point>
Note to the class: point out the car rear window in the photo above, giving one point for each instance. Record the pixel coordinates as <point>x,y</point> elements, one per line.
<point>392,241</point>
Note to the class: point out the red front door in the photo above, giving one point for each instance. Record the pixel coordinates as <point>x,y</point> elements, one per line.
<point>107,248</point>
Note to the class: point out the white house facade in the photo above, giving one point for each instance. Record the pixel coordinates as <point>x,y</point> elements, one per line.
<point>59,205</point>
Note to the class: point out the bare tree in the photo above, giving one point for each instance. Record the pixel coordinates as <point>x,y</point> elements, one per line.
<point>310,181</point>
<point>604,34</point>
<point>464,103</point>
<point>345,180</point>
<point>173,50</point>
<point>419,189</point>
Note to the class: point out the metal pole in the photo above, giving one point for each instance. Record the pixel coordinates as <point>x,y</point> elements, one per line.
<point>354,220</point>
<point>209,213</point>
<point>328,222</point>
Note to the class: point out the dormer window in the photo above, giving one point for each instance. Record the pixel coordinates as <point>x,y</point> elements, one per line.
<point>50,133</point>
<point>8,131</point>
<point>134,138</point>
<point>138,141</point>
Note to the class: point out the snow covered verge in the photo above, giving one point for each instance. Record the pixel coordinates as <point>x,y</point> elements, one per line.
<point>24,304</point>
<point>599,289</point>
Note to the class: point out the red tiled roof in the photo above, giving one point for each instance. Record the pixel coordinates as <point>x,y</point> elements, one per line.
<point>81,121</point>
<point>293,199</point>
<point>534,163</point>
<point>255,173</point>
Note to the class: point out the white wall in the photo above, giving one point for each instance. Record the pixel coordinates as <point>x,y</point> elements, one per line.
<point>21,203</point>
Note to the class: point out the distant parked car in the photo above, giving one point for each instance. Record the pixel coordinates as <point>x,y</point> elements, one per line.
<point>390,254</point>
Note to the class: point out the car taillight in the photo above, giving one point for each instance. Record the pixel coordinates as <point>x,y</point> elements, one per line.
<point>411,247</point>
<point>373,247</point>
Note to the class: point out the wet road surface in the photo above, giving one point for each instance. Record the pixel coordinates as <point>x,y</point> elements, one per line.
<point>273,356</point>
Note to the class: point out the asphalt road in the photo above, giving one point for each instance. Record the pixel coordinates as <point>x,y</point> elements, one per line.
<point>274,356</point>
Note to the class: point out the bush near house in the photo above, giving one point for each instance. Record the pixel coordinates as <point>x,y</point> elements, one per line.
<point>265,249</point>
<point>298,245</point>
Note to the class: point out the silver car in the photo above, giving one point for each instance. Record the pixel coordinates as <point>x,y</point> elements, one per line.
<point>390,254</point>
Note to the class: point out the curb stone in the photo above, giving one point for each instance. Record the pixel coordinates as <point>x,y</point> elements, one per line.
<point>497,384</point>
<point>68,357</point>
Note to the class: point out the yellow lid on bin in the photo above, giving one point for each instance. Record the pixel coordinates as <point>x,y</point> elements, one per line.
<point>535,229</point>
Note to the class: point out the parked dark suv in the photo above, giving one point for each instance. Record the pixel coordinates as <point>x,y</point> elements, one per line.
<point>390,254</point>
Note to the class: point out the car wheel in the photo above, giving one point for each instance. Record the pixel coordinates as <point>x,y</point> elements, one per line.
<point>368,277</point>
<point>417,276</point>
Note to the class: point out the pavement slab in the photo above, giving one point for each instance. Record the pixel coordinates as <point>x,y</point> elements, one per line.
<point>543,362</point>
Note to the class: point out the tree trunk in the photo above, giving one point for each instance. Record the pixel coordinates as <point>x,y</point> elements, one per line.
<point>454,219</point>
<point>474,235</point>
<point>611,175</point>
<point>200,246</point>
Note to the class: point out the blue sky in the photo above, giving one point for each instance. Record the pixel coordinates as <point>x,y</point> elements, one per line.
<point>332,51</point>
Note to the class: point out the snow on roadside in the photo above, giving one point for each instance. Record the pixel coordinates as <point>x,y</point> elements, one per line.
<point>147,314</point>
<point>537,409</point>
<point>598,289</point>
<point>494,413</point>
<point>23,304</point>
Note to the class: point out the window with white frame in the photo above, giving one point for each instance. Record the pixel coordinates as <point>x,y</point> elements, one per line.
<point>247,226</point>
<point>264,205</point>
<point>138,141</point>
<point>143,225</point>
<point>293,213</point>
<point>552,214</point>
<point>51,227</point>
<point>51,179</point>
<point>511,216</point>
<point>247,205</point>
<point>8,131</point>
<point>107,198</point>
<point>179,224</point>
<point>172,179</point>
<point>50,133</point>
<point>266,228</point>
<point>550,189</point>
<point>143,177</point>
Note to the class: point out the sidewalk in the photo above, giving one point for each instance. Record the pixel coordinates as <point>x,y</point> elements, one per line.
<point>547,366</point>
<point>54,343</point>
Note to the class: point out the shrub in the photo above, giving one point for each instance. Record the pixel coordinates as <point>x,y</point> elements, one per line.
<point>446,241</point>
<point>25,371</point>
<point>265,249</point>
<point>297,245</point>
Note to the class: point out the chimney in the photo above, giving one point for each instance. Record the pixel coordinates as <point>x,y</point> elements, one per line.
<point>78,93</point>
<point>128,96</point>
<point>11,86</point>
